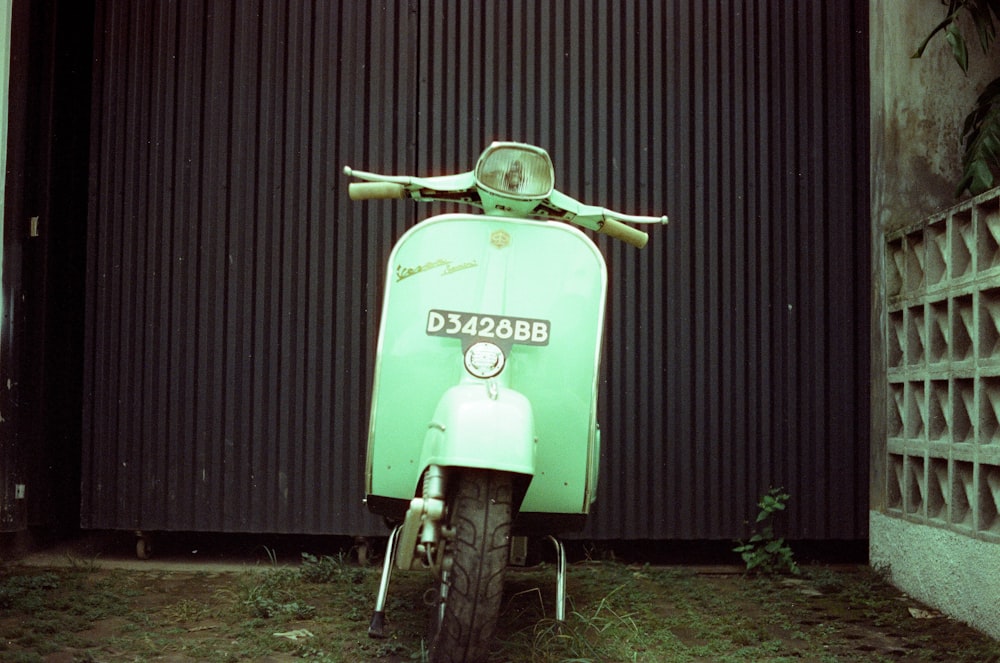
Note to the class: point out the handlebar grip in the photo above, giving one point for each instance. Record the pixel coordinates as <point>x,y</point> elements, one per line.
<point>627,234</point>
<point>375,190</point>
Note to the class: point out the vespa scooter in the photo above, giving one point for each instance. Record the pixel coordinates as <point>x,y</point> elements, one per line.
<point>484,408</point>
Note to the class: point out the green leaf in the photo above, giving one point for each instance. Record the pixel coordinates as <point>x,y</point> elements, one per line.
<point>982,178</point>
<point>981,131</point>
<point>986,35</point>
<point>958,48</point>
<point>938,28</point>
<point>983,20</point>
<point>990,147</point>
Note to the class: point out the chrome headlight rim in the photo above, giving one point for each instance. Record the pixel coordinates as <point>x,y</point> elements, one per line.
<point>530,151</point>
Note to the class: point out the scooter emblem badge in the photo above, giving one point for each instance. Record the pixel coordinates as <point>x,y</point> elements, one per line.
<point>500,239</point>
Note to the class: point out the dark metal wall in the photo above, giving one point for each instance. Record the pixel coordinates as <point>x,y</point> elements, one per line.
<point>44,248</point>
<point>232,290</point>
<point>15,441</point>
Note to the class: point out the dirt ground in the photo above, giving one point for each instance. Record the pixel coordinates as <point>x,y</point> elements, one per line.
<point>96,602</point>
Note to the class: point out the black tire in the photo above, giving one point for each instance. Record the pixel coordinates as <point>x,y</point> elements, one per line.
<point>480,509</point>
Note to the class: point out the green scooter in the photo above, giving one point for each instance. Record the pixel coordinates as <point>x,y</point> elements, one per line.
<point>483,421</point>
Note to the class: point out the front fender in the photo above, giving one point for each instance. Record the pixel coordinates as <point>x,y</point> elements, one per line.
<point>474,428</point>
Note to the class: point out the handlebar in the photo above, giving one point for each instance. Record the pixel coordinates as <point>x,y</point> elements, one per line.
<point>627,234</point>
<point>557,206</point>
<point>375,190</point>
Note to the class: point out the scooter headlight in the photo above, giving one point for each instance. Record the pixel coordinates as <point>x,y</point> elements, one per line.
<point>484,359</point>
<point>516,170</point>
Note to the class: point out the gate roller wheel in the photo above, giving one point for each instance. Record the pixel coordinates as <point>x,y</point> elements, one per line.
<point>143,545</point>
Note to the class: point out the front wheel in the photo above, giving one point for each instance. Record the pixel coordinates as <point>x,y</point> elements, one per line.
<point>480,511</point>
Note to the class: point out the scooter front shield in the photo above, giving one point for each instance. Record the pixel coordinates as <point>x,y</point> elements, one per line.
<point>536,288</point>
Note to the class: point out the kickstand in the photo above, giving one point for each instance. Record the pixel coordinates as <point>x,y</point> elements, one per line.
<point>560,579</point>
<point>377,627</point>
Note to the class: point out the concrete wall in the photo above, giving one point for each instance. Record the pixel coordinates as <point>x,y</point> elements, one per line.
<point>956,574</point>
<point>918,106</point>
<point>917,110</point>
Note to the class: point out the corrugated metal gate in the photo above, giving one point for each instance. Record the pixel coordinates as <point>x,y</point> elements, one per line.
<point>233,290</point>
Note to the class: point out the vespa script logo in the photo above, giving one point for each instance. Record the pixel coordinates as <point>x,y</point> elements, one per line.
<point>446,266</point>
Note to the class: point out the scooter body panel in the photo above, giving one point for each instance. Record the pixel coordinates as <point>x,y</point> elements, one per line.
<point>472,428</point>
<point>496,267</point>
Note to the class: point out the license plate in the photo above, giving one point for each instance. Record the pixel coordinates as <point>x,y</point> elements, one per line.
<point>457,324</point>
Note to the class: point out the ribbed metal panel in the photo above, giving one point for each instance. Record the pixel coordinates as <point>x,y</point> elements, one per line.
<point>233,291</point>
<point>231,295</point>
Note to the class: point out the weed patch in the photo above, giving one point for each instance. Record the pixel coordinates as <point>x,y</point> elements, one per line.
<point>318,610</point>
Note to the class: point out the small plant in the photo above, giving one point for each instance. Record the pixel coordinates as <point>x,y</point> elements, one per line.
<point>267,607</point>
<point>328,569</point>
<point>764,552</point>
<point>275,595</point>
<point>23,593</point>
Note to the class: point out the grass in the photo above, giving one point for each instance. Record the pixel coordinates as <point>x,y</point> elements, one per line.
<point>54,606</point>
<point>616,612</point>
